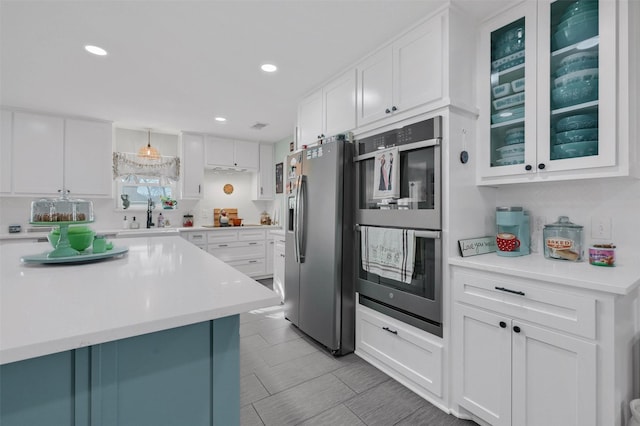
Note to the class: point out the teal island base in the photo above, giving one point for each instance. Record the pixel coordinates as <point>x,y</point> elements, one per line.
<point>182,376</point>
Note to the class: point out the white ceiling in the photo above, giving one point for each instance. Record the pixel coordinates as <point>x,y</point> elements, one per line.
<point>175,65</point>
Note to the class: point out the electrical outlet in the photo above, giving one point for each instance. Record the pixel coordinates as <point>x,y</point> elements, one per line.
<point>541,221</point>
<point>601,228</point>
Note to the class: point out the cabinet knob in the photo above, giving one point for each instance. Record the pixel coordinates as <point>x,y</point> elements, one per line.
<point>387,111</point>
<point>503,324</point>
<point>393,108</point>
<point>528,167</point>
<point>541,166</point>
<point>516,329</point>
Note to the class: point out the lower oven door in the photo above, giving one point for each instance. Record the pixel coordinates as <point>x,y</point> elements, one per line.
<point>418,303</point>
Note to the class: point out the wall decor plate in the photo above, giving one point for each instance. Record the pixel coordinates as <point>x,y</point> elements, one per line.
<point>228,188</point>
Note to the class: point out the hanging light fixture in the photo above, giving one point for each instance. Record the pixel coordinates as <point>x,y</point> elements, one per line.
<point>148,152</point>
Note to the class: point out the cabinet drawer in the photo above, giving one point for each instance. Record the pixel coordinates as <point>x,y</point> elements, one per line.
<point>570,312</point>
<point>238,250</point>
<point>251,267</point>
<point>404,348</point>
<point>220,236</point>
<point>196,237</point>
<point>251,235</point>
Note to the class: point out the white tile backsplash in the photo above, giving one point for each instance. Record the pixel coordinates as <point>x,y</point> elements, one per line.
<point>616,198</point>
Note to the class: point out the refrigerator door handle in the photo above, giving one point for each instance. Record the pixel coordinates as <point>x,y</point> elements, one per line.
<point>296,212</point>
<point>301,224</point>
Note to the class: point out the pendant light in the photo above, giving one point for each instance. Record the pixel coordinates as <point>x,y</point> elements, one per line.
<point>148,152</point>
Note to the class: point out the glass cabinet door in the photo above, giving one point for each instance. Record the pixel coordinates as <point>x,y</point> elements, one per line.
<point>507,94</point>
<point>574,77</point>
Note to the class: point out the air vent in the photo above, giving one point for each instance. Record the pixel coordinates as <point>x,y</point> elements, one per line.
<point>259,126</point>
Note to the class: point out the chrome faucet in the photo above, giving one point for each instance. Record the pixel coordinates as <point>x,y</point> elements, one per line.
<point>150,207</point>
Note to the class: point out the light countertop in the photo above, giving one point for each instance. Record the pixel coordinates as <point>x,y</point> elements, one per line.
<point>34,235</point>
<point>620,279</point>
<point>161,283</point>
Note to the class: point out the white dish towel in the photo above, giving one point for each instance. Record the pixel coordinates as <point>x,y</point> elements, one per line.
<point>388,252</point>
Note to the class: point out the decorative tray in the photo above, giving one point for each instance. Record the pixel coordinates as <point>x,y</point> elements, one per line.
<point>85,256</point>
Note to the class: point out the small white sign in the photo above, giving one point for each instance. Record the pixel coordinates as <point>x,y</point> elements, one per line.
<point>475,246</point>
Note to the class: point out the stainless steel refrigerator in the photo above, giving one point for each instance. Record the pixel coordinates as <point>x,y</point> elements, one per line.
<point>319,278</point>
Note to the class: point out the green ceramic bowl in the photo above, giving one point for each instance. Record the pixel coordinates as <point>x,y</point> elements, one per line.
<point>80,237</point>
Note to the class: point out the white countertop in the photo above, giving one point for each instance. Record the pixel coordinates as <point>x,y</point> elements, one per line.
<point>162,282</point>
<point>620,279</point>
<point>34,235</point>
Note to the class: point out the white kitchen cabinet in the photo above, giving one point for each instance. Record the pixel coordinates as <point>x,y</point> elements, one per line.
<point>84,140</point>
<point>279,264</point>
<point>38,153</point>
<point>329,110</point>
<point>405,74</point>
<point>6,131</point>
<point>528,352</point>
<point>410,355</point>
<point>545,150</point>
<point>247,155</point>
<point>51,152</point>
<point>244,248</point>
<point>269,253</point>
<point>230,154</point>
<point>310,124</point>
<point>192,151</point>
<point>264,179</point>
<point>517,373</point>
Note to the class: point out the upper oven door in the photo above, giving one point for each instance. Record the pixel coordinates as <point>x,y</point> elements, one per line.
<point>419,202</point>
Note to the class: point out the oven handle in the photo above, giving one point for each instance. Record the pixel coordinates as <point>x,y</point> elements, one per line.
<point>433,235</point>
<point>401,148</point>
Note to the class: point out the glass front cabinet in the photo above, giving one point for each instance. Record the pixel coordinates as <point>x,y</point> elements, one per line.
<point>548,92</point>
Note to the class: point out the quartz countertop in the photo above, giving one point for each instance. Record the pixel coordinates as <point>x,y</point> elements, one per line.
<point>161,283</point>
<point>620,279</point>
<point>34,235</point>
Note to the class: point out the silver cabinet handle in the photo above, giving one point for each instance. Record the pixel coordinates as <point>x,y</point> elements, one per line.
<point>223,245</point>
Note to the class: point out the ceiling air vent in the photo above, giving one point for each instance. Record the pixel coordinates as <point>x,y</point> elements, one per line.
<point>259,126</point>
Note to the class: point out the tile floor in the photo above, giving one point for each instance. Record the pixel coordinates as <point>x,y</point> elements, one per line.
<point>288,379</point>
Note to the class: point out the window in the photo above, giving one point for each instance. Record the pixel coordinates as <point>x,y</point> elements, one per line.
<point>147,187</point>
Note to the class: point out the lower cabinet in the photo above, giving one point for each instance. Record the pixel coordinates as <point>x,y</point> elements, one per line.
<point>410,355</point>
<point>517,373</point>
<point>278,265</point>
<point>526,353</point>
<point>245,249</point>
<point>182,376</point>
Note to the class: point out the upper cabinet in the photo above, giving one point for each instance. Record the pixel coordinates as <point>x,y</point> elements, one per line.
<point>85,140</point>
<point>44,153</point>
<point>328,111</point>
<point>265,177</point>
<point>552,91</point>
<point>192,153</point>
<point>230,154</point>
<point>6,131</point>
<point>403,75</point>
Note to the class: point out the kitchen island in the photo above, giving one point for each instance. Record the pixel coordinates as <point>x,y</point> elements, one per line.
<point>150,338</point>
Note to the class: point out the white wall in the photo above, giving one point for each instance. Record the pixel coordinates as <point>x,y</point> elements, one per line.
<point>214,197</point>
<point>618,199</point>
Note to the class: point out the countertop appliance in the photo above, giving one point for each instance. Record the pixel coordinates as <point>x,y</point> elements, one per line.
<point>512,237</point>
<point>319,237</point>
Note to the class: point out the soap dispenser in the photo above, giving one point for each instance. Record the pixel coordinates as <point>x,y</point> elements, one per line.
<point>125,223</point>
<point>160,220</point>
<point>134,224</point>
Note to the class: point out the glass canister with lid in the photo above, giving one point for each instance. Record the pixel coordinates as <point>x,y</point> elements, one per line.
<point>563,240</point>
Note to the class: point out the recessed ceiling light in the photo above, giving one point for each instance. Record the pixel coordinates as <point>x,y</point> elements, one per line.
<point>220,119</point>
<point>268,68</point>
<point>95,50</point>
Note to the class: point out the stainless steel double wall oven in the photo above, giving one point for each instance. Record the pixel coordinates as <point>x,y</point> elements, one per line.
<point>419,208</point>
